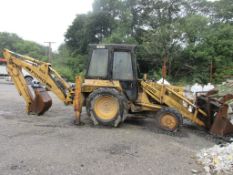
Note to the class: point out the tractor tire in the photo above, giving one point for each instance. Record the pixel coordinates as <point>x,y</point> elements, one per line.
<point>106,106</point>
<point>169,119</point>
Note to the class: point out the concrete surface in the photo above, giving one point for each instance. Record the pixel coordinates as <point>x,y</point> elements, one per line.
<point>52,144</point>
<point>3,70</point>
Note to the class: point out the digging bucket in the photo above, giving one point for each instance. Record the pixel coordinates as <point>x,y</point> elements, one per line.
<point>42,101</point>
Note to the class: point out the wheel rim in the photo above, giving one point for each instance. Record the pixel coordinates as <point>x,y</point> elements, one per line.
<point>106,107</point>
<point>168,121</point>
<point>29,80</point>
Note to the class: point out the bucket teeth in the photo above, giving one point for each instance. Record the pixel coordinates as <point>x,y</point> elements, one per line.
<point>42,101</point>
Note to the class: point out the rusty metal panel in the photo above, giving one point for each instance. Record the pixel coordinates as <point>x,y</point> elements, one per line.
<point>217,121</point>
<point>221,126</point>
<point>42,101</point>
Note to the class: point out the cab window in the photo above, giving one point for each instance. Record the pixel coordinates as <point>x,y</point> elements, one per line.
<point>99,63</point>
<point>122,66</point>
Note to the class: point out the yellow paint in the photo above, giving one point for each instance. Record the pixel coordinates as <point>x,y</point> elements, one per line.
<point>172,96</point>
<point>78,98</point>
<point>41,71</point>
<point>106,107</point>
<point>168,121</point>
<point>90,85</point>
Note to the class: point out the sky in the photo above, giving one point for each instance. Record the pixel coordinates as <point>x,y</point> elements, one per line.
<point>41,20</point>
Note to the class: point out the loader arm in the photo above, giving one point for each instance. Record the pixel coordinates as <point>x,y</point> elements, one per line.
<point>207,111</point>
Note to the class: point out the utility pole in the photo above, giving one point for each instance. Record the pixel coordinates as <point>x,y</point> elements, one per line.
<point>211,71</point>
<point>50,50</point>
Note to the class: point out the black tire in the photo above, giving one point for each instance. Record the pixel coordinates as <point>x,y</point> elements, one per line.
<point>113,93</point>
<point>173,114</point>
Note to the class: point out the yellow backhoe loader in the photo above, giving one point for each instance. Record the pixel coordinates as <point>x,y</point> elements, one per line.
<point>111,89</point>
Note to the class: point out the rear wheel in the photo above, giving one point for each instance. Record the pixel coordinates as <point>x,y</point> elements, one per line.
<point>169,119</point>
<point>106,106</point>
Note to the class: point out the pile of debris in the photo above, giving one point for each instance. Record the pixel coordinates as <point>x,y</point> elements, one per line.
<point>226,87</point>
<point>218,159</point>
<point>229,83</point>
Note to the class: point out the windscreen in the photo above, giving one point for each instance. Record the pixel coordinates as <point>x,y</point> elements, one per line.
<point>122,66</point>
<point>99,63</point>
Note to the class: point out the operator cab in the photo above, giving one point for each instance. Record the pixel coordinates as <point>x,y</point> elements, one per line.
<point>114,62</point>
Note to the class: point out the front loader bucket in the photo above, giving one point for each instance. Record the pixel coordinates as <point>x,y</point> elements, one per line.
<point>42,101</point>
<point>217,120</point>
<point>222,125</point>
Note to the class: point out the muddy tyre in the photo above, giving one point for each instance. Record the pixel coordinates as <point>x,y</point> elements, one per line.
<point>106,107</point>
<point>169,119</point>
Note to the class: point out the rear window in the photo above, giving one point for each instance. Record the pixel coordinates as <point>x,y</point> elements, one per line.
<point>99,63</point>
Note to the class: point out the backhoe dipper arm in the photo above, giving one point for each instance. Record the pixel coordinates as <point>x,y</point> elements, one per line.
<point>20,83</point>
<point>41,71</point>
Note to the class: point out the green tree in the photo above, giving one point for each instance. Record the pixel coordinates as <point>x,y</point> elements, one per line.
<point>68,65</point>
<point>223,11</point>
<point>15,43</point>
<point>189,35</point>
<point>86,29</point>
<point>76,37</point>
<point>111,7</point>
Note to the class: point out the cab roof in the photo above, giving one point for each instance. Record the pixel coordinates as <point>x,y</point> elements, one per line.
<point>113,46</point>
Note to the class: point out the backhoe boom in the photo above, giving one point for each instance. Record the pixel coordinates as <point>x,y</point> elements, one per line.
<point>37,99</point>
<point>41,71</point>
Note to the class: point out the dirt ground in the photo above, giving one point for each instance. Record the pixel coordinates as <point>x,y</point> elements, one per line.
<point>52,144</point>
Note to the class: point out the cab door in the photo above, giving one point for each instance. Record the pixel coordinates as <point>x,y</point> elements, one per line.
<point>123,70</point>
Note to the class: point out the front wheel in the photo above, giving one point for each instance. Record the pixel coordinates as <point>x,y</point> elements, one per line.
<point>169,119</point>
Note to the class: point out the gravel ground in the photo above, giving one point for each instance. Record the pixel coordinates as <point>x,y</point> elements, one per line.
<point>51,144</point>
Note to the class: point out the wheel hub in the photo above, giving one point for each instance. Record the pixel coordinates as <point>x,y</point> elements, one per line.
<point>106,107</point>
<point>169,121</point>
